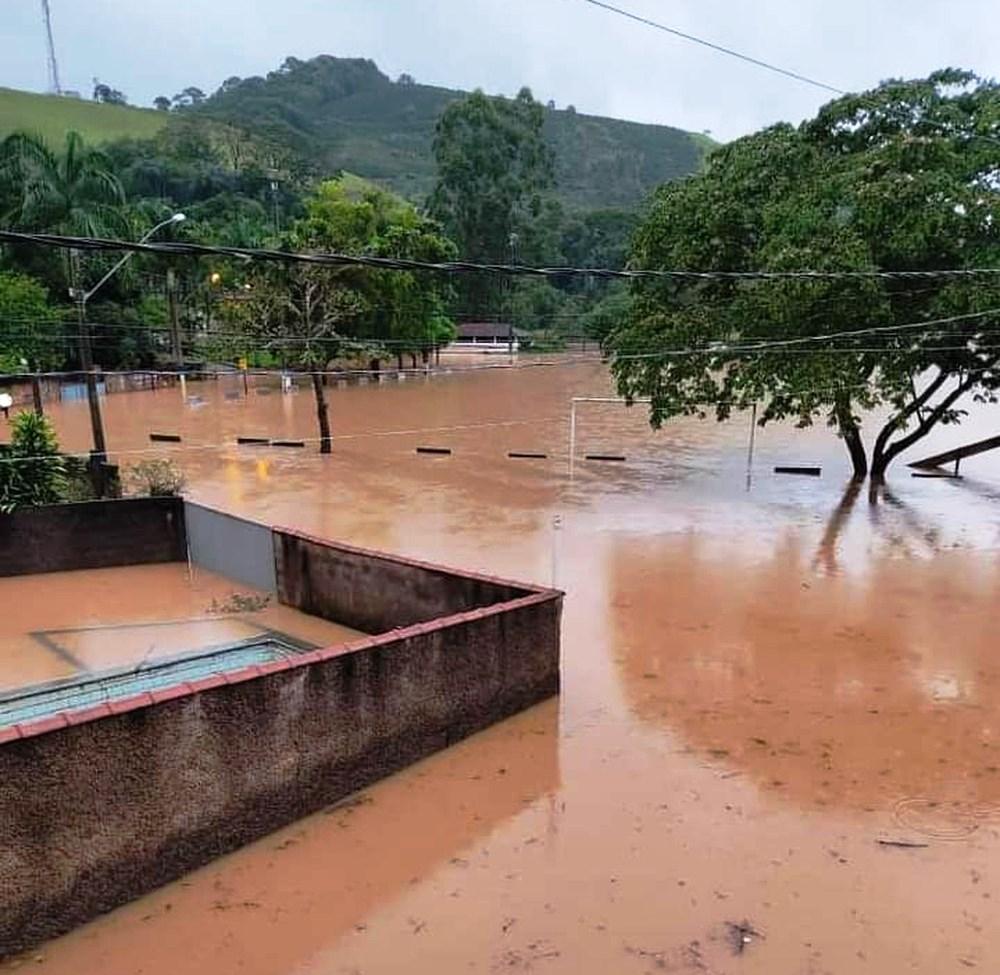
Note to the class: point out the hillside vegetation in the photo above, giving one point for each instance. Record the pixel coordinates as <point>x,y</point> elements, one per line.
<point>52,116</point>
<point>346,114</point>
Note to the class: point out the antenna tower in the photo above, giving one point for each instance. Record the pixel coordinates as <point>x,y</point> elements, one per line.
<point>54,86</point>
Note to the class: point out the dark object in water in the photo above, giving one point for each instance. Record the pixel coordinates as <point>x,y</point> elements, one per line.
<point>433,450</point>
<point>165,437</point>
<point>525,455</point>
<point>253,440</point>
<point>288,443</point>
<point>806,471</point>
<point>615,457</point>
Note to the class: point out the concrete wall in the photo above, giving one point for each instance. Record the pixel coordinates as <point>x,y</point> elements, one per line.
<point>92,535</point>
<point>234,547</point>
<point>100,806</point>
<point>374,592</point>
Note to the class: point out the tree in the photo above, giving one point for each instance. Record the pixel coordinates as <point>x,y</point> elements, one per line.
<point>190,97</point>
<point>598,238</point>
<point>75,192</point>
<point>299,311</point>
<point>407,80</point>
<point>894,179</point>
<point>161,103</point>
<point>108,95</point>
<point>309,314</point>
<point>30,328</point>
<point>32,472</point>
<point>494,168</point>
<point>353,216</point>
<point>608,314</point>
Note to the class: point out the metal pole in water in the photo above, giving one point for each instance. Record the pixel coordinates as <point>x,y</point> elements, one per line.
<point>572,435</point>
<point>556,525</point>
<point>753,436</point>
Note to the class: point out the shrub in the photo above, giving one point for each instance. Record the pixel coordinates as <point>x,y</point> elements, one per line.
<point>158,478</point>
<point>32,472</point>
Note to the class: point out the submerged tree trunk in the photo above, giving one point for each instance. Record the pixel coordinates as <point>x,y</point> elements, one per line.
<point>928,417</point>
<point>322,415</point>
<point>851,432</point>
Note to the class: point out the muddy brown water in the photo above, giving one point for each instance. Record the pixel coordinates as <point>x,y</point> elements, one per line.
<point>761,682</point>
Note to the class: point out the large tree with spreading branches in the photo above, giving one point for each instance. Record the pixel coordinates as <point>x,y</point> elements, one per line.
<point>904,177</point>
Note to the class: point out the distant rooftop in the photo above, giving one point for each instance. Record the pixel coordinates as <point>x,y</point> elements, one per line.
<point>484,330</point>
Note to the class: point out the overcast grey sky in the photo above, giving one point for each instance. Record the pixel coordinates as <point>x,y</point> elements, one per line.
<point>566,50</point>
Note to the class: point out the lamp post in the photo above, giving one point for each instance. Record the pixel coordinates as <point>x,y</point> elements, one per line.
<point>81,297</point>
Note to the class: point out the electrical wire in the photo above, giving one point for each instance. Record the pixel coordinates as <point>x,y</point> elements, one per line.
<point>722,348</point>
<point>336,260</point>
<point>730,52</point>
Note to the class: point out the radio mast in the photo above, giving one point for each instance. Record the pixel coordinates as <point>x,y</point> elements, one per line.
<point>54,86</point>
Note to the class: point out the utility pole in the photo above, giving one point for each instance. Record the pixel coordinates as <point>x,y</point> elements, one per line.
<point>36,392</point>
<point>177,349</point>
<point>99,454</point>
<point>512,241</point>
<point>273,178</point>
<point>87,362</point>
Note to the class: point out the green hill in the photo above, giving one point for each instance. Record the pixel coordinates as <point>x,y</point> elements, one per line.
<point>346,114</point>
<point>52,116</point>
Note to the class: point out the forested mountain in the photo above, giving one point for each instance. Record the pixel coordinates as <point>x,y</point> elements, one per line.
<point>346,114</point>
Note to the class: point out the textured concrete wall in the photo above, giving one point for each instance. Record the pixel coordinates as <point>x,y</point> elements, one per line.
<point>100,806</point>
<point>92,535</point>
<point>374,592</point>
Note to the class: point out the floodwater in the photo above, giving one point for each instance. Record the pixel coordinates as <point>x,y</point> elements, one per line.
<point>769,684</point>
<point>59,624</point>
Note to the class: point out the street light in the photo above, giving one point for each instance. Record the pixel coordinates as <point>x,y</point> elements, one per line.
<point>99,453</point>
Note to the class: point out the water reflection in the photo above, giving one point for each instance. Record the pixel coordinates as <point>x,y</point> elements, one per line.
<point>831,688</point>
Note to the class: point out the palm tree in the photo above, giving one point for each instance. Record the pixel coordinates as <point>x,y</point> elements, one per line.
<point>74,193</point>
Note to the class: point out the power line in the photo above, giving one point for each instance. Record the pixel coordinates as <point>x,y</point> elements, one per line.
<point>871,102</point>
<point>730,52</point>
<point>337,260</point>
<point>718,348</point>
<point>800,340</point>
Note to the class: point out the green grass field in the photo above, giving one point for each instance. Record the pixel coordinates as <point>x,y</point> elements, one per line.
<point>52,117</point>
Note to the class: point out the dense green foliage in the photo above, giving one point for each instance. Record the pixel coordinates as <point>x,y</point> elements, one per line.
<point>344,114</point>
<point>31,330</point>
<point>73,191</point>
<point>494,172</point>
<point>310,315</point>
<point>247,168</point>
<point>494,169</point>
<point>893,179</point>
<point>31,470</point>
